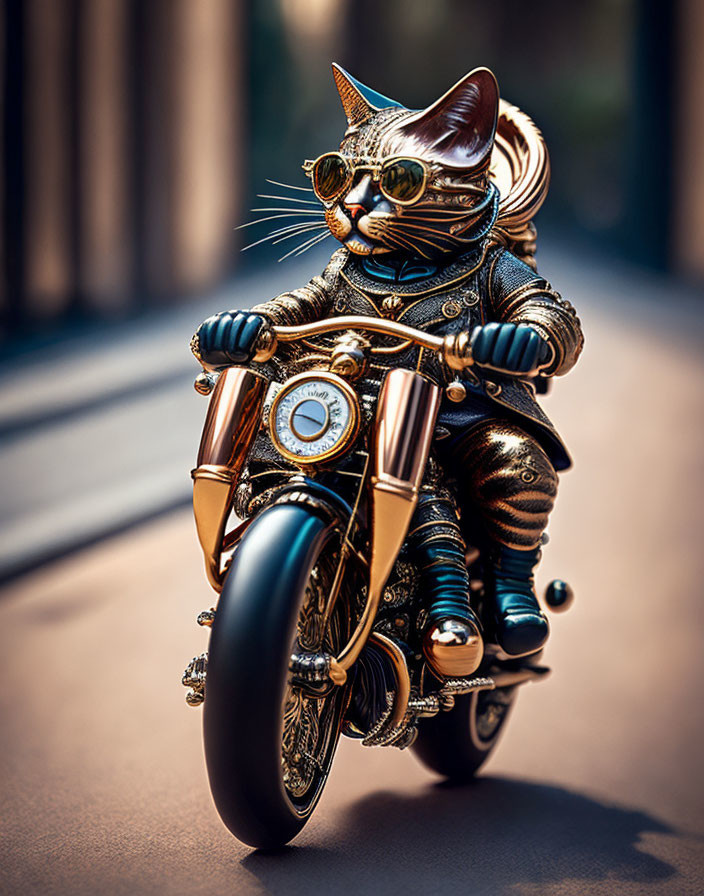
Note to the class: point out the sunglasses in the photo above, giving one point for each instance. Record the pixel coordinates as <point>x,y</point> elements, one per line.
<point>402,180</point>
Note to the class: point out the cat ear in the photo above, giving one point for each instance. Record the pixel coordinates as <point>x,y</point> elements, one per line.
<point>458,129</point>
<point>358,101</point>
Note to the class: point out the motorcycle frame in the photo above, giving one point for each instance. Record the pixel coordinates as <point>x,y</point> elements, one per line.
<point>400,444</point>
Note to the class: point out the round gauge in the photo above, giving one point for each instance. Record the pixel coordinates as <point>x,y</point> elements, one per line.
<point>314,417</point>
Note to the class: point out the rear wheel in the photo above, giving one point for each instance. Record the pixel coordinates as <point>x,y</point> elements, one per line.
<point>269,745</point>
<point>456,744</point>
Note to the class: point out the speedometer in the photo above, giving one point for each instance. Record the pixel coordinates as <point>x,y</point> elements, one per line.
<point>314,417</point>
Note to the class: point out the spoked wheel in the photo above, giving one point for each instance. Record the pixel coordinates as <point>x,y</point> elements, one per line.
<point>269,745</point>
<point>456,744</point>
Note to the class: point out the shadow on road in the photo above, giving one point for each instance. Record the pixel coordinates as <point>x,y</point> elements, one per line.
<point>489,836</point>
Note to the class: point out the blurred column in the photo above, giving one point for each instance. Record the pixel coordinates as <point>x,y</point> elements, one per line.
<point>122,152</point>
<point>48,220</point>
<point>104,176</point>
<point>688,248</point>
<point>195,141</point>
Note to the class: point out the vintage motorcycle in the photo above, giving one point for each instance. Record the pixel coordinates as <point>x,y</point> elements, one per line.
<point>318,624</point>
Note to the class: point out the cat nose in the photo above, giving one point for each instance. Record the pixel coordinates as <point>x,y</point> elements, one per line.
<point>355,210</point>
<point>358,201</point>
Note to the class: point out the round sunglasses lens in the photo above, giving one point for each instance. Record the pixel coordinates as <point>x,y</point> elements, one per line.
<point>329,176</point>
<point>403,180</point>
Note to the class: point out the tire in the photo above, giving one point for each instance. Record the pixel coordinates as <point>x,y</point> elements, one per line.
<point>456,744</point>
<point>255,629</point>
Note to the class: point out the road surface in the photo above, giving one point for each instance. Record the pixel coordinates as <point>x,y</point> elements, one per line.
<point>596,788</point>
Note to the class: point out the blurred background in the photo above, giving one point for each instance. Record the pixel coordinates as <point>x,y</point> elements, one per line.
<point>136,135</point>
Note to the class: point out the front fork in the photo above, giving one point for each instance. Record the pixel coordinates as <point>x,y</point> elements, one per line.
<point>231,424</point>
<point>405,421</point>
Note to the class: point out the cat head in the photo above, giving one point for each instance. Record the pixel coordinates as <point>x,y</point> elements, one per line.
<point>414,182</point>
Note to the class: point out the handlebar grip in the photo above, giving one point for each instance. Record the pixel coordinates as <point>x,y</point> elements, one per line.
<point>265,346</point>
<point>457,351</point>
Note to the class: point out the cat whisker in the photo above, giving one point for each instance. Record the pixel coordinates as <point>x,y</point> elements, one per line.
<point>308,244</point>
<point>318,239</point>
<point>297,211</point>
<point>410,225</point>
<point>269,218</point>
<point>288,199</point>
<point>427,219</point>
<point>439,218</point>
<point>415,239</point>
<point>437,211</point>
<point>403,243</point>
<point>278,183</point>
<point>276,235</point>
<point>287,236</point>
<point>424,228</point>
<point>394,243</point>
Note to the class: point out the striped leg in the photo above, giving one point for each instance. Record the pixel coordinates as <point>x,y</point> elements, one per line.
<point>508,478</point>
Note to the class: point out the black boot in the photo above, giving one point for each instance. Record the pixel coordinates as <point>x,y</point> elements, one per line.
<point>520,625</point>
<point>452,641</point>
<point>452,644</point>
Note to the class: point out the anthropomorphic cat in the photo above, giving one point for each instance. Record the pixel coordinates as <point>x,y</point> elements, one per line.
<point>410,199</point>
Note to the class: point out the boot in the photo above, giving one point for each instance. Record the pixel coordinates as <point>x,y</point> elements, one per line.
<point>452,643</point>
<point>520,625</point>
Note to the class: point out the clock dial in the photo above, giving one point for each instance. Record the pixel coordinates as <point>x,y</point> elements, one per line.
<point>313,418</point>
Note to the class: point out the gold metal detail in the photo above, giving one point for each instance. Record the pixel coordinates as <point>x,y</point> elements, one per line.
<point>457,351</point>
<point>206,618</point>
<point>205,382</point>
<point>391,305</point>
<point>349,357</point>
<point>308,719</point>
<point>266,345</point>
<point>403,682</point>
<point>406,412</point>
<point>194,346</point>
<point>359,322</point>
<point>231,424</point>
<point>345,439</point>
<point>375,167</point>
<point>194,678</point>
<point>338,675</point>
<point>357,109</point>
<point>451,309</point>
<point>520,168</point>
<point>453,648</point>
<point>456,391</point>
<point>454,349</point>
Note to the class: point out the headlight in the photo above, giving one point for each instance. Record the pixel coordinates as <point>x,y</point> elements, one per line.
<point>314,417</point>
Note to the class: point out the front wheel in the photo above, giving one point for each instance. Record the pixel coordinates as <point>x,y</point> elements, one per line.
<point>456,744</point>
<point>269,745</point>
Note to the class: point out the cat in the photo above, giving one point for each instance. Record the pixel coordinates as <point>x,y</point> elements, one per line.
<point>410,197</point>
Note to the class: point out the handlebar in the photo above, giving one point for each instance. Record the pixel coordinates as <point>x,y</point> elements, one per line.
<point>454,349</point>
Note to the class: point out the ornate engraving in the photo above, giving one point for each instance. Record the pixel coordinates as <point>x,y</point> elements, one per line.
<point>309,718</point>
<point>402,585</point>
<point>194,678</point>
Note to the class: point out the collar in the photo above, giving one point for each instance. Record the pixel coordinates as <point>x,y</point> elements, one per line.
<point>355,272</point>
<point>398,269</point>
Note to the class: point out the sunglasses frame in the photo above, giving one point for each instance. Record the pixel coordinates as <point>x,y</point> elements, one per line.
<point>376,168</point>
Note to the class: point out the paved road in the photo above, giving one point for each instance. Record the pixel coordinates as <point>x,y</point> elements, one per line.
<point>596,788</point>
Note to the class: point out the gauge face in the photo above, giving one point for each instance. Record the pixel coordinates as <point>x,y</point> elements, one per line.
<point>314,417</point>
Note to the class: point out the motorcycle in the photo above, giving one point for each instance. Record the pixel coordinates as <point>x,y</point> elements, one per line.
<point>318,624</point>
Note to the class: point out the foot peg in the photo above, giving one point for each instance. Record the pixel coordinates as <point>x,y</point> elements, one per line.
<point>453,648</point>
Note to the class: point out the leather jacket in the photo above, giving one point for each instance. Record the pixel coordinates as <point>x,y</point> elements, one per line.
<point>486,284</point>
